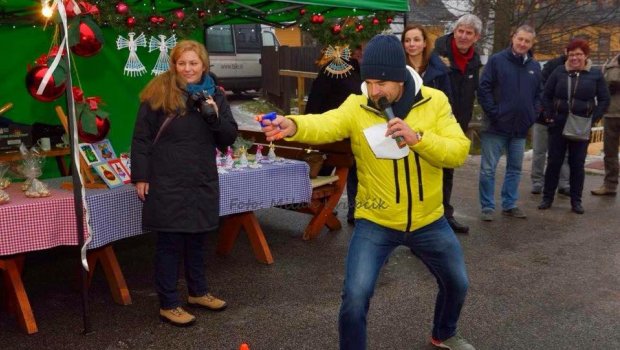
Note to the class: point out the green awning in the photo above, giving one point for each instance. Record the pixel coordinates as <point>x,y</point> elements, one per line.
<point>231,11</point>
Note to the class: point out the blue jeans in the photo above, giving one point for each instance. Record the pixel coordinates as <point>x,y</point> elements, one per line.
<point>438,248</point>
<point>492,148</point>
<point>169,249</point>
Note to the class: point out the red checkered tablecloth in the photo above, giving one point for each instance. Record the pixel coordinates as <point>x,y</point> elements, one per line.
<point>28,224</point>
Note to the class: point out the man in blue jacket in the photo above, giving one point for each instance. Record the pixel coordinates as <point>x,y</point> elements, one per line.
<point>509,93</point>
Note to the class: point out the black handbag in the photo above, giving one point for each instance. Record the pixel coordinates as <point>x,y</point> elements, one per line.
<point>576,128</point>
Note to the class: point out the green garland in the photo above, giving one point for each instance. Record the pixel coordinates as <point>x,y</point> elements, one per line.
<point>351,30</point>
<point>194,17</point>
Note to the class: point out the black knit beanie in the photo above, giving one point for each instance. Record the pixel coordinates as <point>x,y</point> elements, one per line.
<point>384,59</point>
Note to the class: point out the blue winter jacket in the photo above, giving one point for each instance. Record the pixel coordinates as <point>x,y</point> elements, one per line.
<point>437,75</point>
<point>509,93</point>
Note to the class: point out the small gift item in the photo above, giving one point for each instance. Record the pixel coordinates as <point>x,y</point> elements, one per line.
<point>31,166</point>
<point>4,181</point>
<point>230,162</point>
<point>259,154</point>
<point>271,156</point>
<point>4,197</point>
<point>37,189</point>
<point>243,157</point>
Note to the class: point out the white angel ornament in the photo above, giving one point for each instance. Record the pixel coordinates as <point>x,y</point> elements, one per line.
<point>133,67</point>
<point>163,45</point>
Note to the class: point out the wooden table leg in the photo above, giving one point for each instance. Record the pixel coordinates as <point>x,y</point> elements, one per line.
<point>16,293</point>
<point>62,166</point>
<point>116,281</point>
<point>229,230</point>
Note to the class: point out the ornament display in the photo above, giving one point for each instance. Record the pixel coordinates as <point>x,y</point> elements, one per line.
<point>163,45</point>
<point>92,123</point>
<point>338,66</point>
<point>121,8</point>
<point>133,67</point>
<point>89,43</point>
<point>351,30</point>
<point>54,88</point>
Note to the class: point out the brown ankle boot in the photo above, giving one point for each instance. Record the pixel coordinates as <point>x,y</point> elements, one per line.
<point>208,302</point>
<point>604,191</point>
<point>177,317</point>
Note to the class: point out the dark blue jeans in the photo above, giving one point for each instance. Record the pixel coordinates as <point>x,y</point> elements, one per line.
<point>577,152</point>
<point>169,250</point>
<point>371,244</point>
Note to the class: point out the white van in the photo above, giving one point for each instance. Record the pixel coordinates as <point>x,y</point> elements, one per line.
<point>235,54</point>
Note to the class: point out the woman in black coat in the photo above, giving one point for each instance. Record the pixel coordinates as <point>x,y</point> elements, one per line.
<point>183,117</point>
<point>589,98</point>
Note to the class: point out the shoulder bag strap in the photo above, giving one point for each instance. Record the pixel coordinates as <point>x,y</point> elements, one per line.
<point>163,127</point>
<point>571,94</point>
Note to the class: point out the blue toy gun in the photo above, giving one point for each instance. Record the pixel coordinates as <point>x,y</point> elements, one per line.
<point>271,116</point>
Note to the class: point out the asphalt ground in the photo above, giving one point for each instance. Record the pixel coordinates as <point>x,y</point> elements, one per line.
<point>546,282</point>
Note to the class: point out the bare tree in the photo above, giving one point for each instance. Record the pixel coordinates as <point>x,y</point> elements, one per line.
<point>557,19</point>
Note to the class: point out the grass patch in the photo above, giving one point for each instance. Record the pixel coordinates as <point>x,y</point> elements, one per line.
<point>259,106</point>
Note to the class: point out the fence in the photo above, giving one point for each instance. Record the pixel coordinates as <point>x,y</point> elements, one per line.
<point>279,89</point>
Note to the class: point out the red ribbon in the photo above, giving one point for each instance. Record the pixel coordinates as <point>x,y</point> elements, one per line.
<point>78,94</point>
<point>89,9</point>
<point>92,102</point>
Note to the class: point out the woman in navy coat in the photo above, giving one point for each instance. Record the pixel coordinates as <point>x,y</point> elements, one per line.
<point>589,98</point>
<point>183,117</point>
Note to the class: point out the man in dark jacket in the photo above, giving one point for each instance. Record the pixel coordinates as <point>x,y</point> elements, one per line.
<point>457,51</point>
<point>509,93</point>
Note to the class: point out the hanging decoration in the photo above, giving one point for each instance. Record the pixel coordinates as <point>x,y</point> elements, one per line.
<point>84,35</point>
<point>92,122</point>
<point>338,67</point>
<point>133,67</point>
<point>121,16</point>
<point>57,83</point>
<point>352,30</point>
<point>163,45</point>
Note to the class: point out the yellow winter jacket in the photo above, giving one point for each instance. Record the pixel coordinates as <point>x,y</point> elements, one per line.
<point>404,194</point>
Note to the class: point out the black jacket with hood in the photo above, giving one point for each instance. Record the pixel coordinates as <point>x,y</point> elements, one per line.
<point>463,85</point>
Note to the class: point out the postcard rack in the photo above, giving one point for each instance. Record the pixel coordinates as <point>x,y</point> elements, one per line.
<point>90,180</point>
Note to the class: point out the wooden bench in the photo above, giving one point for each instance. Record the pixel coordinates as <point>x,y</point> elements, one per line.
<point>326,190</point>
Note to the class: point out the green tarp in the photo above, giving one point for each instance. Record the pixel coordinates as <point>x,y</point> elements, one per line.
<point>237,11</point>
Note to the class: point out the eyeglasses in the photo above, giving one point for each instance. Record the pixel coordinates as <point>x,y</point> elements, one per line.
<point>576,55</point>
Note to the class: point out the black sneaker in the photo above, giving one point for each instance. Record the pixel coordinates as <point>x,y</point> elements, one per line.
<point>457,226</point>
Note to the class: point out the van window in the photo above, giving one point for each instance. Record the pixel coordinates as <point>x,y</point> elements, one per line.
<point>248,38</point>
<point>220,39</point>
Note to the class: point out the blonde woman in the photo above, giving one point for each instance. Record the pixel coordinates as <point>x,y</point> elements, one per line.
<point>183,117</point>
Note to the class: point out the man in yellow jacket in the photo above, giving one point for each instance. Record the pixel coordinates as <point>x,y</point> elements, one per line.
<point>399,200</point>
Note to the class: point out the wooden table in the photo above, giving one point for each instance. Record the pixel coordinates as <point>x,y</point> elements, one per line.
<point>29,224</point>
<point>58,153</point>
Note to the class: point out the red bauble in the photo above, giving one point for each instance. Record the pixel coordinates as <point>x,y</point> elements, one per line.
<point>103,127</point>
<point>359,28</point>
<point>202,13</point>
<point>131,21</point>
<point>179,14</point>
<point>122,8</point>
<point>314,19</point>
<point>173,25</point>
<point>161,20</point>
<point>302,12</point>
<point>389,20</point>
<point>336,29</point>
<point>375,21</point>
<point>154,19</point>
<point>89,45</point>
<point>51,91</point>
<point>321,19</point>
